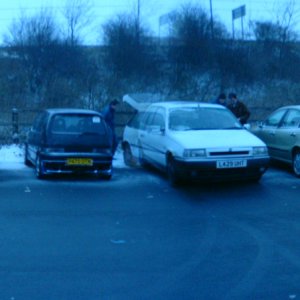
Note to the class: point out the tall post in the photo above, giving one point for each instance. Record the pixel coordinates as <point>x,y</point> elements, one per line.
<point>239,12</point>
<point>138,22</point>
<point>242,24</point>
<point>15,125</point>
<point>211,20</point>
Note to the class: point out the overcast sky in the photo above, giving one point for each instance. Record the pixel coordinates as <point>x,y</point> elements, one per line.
<point>151,10</point>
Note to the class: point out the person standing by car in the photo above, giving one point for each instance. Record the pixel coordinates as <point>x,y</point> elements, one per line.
<point>221,99</point>
<point>109,117</point>
<point>238,108</point>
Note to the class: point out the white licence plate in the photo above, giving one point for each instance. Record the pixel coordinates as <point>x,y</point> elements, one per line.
<point>228,164</point>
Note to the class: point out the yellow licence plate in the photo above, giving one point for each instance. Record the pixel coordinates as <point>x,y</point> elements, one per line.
<point>79,162</point>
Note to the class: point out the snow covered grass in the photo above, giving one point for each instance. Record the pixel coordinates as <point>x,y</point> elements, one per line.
<point>12,157</point>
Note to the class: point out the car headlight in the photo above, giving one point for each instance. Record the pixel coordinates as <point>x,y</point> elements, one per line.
<point>194,153</point>
<point>260,151</point>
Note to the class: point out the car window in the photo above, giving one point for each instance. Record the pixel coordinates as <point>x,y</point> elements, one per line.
<point>275,118</point>
<point>147,119</point>
<point>159,119</point>
<point>77,124</point>
<point>291,119</point>
<point>136,120</point>
<point>39,122</point>
<point>197,118</point>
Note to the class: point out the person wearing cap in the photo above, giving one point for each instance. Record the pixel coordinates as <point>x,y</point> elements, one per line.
<point>109,117</point>
<point>238,108</point>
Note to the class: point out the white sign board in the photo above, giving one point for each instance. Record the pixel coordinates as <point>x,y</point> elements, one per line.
<point>166,18</point>
<point>239,12</point>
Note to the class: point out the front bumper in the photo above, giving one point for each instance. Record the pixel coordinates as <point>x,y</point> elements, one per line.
<point>206,170</point>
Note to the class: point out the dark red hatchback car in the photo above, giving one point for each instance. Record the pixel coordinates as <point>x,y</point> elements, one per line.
<point>64,141</point>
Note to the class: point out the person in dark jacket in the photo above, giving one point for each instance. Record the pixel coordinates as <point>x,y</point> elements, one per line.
<point>109,117</point>
<point>221,99</point>
<point>238,108</point>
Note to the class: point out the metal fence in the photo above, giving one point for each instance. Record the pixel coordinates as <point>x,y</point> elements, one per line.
<point>15,124</point>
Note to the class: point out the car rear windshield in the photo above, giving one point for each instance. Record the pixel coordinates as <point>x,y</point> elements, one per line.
<point>80,130</point>
<point>77,124</point>
<point>200,118</point>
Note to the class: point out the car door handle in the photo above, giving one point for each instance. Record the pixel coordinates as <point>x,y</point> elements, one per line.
<point>142,135</point>
<point>272,133</point>
<point>293,134</point>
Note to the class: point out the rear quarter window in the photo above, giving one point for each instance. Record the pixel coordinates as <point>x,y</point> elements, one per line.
<point>40,122</point>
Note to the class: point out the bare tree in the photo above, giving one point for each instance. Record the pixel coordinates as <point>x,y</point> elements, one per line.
<point>193,39</point>
<point>276,42</point>
<point>78,15</point>
<point>35,41</point>
<point>127,46</point>
<point>193,49</point>
<point>54,69</point>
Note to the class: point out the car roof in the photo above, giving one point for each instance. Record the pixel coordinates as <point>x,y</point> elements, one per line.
<point>53,111</point>
<point>141,101</point>
<point>179,104</point>
<point>289,106</point>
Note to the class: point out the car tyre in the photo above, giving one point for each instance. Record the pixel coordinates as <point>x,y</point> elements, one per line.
<point>27,162</point>
<point>127,156</point>
<point>142,160</point>
<point>106,177</point>
<point>173,177</point>
<point>39,171</point>
<point>256,179</point>
<point>296,163</point>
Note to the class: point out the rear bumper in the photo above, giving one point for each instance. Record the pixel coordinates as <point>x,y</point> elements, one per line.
<point>57,163</point>
<point>208,171</point>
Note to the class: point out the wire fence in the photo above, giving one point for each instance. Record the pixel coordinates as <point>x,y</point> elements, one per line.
<point>15,124</point>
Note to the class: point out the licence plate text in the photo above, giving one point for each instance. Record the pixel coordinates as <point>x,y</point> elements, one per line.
<point>79,162</point>
<point>228,164</point>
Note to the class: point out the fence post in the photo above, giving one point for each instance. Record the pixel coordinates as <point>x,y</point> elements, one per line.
<point>15,125</point>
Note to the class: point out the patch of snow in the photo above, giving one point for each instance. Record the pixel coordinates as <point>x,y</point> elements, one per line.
<point>11,153</point>
<point>12,157</point>
<point>118,161</point>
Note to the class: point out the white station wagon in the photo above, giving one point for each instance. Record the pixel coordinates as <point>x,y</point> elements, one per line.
<point>191,140</point>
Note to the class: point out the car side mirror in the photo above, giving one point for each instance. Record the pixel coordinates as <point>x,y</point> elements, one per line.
<point>260,124</point>
<point>157,130</point>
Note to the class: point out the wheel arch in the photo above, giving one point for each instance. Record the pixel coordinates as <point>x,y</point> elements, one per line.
<point>295,163</point>
<point>295,150</point>
<point>169,155</point>
<point>124,144</point>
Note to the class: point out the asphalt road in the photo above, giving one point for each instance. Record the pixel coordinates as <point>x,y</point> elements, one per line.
<point>134,237</point>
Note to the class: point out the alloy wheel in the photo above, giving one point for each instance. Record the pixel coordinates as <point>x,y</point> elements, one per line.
<point>127,155</point>
<point>296,163</point>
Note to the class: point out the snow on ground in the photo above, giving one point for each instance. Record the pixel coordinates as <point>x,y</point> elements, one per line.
<point>118,161</point>
<point>12,157</point>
